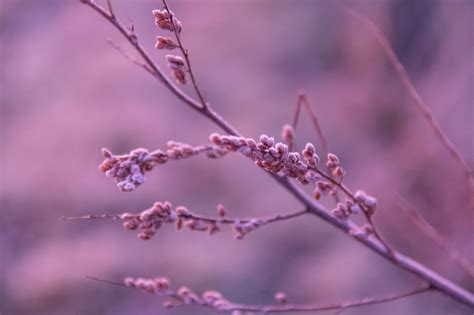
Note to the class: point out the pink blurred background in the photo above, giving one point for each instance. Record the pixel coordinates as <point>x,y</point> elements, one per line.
<point>65,94</point>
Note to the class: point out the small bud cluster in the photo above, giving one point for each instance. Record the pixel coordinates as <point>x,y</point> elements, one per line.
<point>362,233</point>
<point>334,165</point>
<point>243,228</point>
<point>181,296</point>
<point>323,188</point>
<point>344,210</point>
<point>179,150</point>
<point>166,21</point>
<point>158,286</point>
<point>129,170</point>
<point>178,68</point>
<point>163,42</point>
<point>369,203</point>
<point>273,157</point>
<point>149,220</point>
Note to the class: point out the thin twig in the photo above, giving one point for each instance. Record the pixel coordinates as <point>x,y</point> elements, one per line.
<point>224,220</point>
<point>291,307</point>
<point>129,57</point>
<point>185,53</point>
<point>416,99</point>
<point>431,232</point>
<point>404,262</point>
<point>302,99</point>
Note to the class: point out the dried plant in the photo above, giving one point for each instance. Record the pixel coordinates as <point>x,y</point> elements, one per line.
<point>290,168</point>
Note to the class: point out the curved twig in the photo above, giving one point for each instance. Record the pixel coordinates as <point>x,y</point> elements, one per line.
<point>266,309</point>
<point>416,99</point>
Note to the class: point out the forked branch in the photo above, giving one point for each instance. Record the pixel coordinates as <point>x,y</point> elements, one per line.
<point>435,280</point>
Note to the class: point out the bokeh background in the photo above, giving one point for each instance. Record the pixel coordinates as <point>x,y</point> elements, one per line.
<point>65,93</point>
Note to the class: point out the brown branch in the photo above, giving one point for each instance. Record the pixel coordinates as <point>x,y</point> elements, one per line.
<point>229,306</point>
<point>416,99</point>
<point>185,53</point>
<point>404,262</point>
<point>431,232</point>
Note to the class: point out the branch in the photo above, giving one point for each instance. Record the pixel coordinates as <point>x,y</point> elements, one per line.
<point>185,53</point>
<point>151,219</point>
<point>215,300</point>
<point>404,262</point>
<point>431,232</point>
<point>416,99</point>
